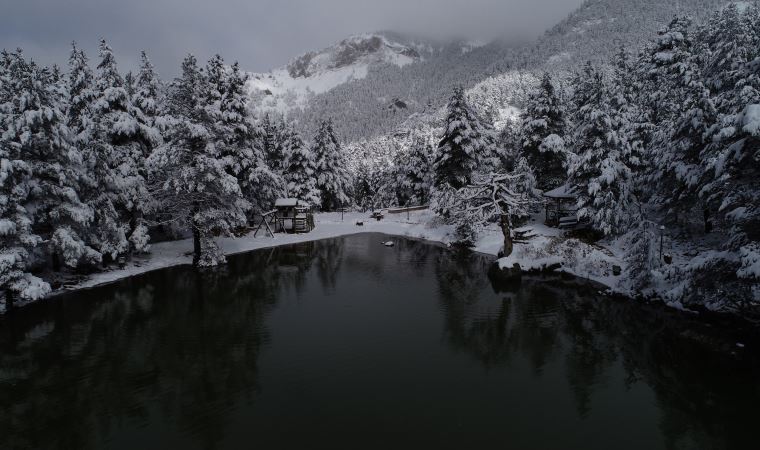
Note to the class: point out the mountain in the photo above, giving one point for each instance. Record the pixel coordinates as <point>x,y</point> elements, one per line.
<point>318,72</point>
<point>373,84</point>
<point>598,28</point>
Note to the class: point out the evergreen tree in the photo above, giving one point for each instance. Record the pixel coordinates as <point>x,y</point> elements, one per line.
<point>300,170</point>
<point>680,108</point>
<point>543,131</point>
<point>415,173</point>
<point>190,175</point>
<point>44,144</point>
<point>147,87</point>
<point>732,157</point>
<point>466,144</point>
<point>17,240</point>
<point>364,192</point>
<point>600,171</point>
<point>625,90</point>
<point>115,148</point>
<point>130,85</point>
<point>274,135</point>
<point>333,179</point>
<point>81,93</point>
<point>238,138</point>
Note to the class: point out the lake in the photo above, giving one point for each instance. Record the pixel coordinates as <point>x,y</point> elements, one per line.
<point>346,343</point>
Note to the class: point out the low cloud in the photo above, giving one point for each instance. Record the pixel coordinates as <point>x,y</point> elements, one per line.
<point>261,34</point>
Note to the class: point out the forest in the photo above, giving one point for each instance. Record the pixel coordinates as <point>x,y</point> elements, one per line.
<point>95,165</point>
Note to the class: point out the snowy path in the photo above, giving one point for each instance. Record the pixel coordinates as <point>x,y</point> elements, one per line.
<point>578,259</point>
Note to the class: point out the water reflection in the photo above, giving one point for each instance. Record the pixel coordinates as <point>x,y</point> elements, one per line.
<point>175,358</point>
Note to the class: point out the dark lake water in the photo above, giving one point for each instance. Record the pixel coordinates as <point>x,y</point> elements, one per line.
<point>345,343</point>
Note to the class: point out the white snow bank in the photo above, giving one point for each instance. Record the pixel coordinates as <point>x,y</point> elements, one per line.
<point>574,257</point>
<point>547,248</point>
<point>329,225</point>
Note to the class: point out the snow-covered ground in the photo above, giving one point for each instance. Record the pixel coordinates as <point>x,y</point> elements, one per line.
<point>545,249</point>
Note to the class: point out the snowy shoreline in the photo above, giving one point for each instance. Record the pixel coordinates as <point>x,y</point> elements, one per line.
<point>547,251</point>
<point>420,225</point>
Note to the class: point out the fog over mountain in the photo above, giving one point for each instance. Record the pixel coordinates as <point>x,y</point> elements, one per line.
<point>261,34</point>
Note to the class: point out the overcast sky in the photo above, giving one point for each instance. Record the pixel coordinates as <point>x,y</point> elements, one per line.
<point>261,34</point>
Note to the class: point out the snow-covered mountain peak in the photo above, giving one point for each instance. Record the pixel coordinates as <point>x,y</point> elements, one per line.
<point>319,71</point>
<point>360,49</point>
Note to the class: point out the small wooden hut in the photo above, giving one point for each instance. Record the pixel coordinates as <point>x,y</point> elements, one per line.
<point>293,216</point>
<point>561,209</point>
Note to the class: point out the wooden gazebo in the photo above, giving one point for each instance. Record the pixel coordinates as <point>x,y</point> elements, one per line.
<point>293,216</point>
<point>561,209</point>
<point>289,215</point>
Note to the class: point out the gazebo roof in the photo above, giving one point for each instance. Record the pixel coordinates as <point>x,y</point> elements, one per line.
<point>564,192</point>
<point>285,202</point>
<point>289,203</point>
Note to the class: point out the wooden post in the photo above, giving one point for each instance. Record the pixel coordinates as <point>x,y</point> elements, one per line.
<point>662,238</point>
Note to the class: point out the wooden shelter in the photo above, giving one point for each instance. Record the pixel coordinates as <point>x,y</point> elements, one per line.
<point>293,216</point>
<point>561,209</point>
<point>289,215</point>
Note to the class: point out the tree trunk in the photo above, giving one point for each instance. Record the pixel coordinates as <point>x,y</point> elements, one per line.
<point>56,262</point>
<point>708,222</point>
<point>506,229</point>
<point>8,300</point>
<point>134,220</point>
<point>196,235</point>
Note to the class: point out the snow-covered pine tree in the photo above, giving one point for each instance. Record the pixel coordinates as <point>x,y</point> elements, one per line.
<point>130,84</point>
<point>599,172</point>
<point>147,91</point>
<point>415,173</point>
<point>727,43</point>
<point>642,256</point>
<point>300,169</point>
<point>237,135</point>
<point>543,135</point>
<point>364,192</point>
<point>466,144</point>
<point>189,177</point>
<point>38,133</point>
<point>659,69</point>
<point>732,157</point>
<point>115,148</point>
<point>81,92</point>
<point>384,182</point>
<point>145,106</point>
<point>625,89</point>
<point>680,108</point>
<point>17,240</point>
<point>333,178</point>
<point>510,142</point>
<point>274,134</point>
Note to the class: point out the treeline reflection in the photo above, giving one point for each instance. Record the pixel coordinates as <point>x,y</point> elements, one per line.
<point>182,348</point>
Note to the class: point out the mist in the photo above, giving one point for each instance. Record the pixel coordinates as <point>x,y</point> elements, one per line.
<point>260,34</point>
